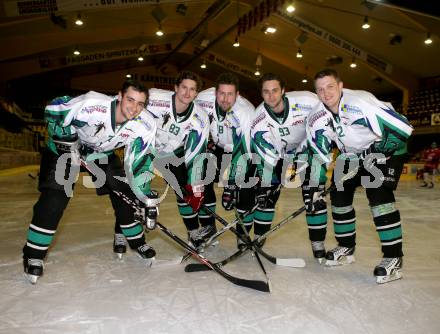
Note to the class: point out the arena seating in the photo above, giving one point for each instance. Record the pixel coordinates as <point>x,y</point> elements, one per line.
<point>422,105</point>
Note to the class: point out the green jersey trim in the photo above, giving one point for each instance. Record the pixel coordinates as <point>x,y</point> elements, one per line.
<point>274,115</point>
<point>182,117</point>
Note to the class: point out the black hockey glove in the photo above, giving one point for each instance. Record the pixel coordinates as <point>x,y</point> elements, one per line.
<point>229,197</point>
<point>375,154</point>
<point>313,199</point>
<point>267,196</point>
<point>149,211</point>
<point>69,144</point>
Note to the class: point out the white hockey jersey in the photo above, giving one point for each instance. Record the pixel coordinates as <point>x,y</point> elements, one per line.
<point>362,120</point>
<point>92,117</point>
<point>273,137</point>
<point>185,136</point>
<point>228,130</point>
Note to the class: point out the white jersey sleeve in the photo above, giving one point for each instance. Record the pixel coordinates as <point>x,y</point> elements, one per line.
<point>139,154</point>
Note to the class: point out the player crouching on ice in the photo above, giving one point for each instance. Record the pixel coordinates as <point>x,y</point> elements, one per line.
<point>83,130</point>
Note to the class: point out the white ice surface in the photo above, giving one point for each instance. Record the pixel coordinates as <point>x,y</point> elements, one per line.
<point>86,290</point>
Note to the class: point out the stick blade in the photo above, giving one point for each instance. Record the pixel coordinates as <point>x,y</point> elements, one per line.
<point>254,284</point>
<point>194,267</point>
<point>251,284</point>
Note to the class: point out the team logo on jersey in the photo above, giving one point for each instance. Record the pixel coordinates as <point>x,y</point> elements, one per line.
<point>345,120</point>
<point>351,109</point>
<point>298,119</point>
<point>99,127</point>
<point>258,119</point>
<point>211,118</point>
<point>159,103</point>
<point>305,107</point>
<point>124,135</point>
<point>316,116</point>
<point>165,119</point>
<point>235,121</point>
<point>96,108</point>
<point>206,104</point>
<point>199,119</point>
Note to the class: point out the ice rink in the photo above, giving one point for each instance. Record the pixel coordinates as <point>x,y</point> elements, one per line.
<point>85,289</point>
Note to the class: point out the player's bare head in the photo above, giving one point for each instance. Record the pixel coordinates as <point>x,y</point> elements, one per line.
<point>135,85</point>
<point>188,75</point>
<point>226,90</point>
<point>328,87</point>
<point>132,99</point>
<point>269,77</point>
<point>227,78</point>
<point>327,72</point>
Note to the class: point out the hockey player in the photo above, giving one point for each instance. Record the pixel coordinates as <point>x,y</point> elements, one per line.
<point>182,136</point>
<point>432,159</point>
<point>83,130</point>
<point>230,115</point>
<point>278,136</point>
<point>371,134</point>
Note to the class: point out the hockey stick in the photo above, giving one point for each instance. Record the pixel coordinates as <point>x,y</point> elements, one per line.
<point>196,267</point>
<point>230,225</point>
<point>220,232</point>
<point>257,256</point>
<point>288,262</point>
<point>252,284</point>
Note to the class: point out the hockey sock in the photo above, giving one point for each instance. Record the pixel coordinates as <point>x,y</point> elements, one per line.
<point>387,220</point>
<point>344,220</point>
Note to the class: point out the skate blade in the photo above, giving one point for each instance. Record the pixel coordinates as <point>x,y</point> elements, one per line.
<point>149,262</point>
<point>341,262</point>
<point>320,260</point>
<point>385,279</point>
<point>119,256</point>
<point>31,278</point>
<point>212,244</point>
<point>185,257</point>
<point>200,249</point>
<point>204,247</point>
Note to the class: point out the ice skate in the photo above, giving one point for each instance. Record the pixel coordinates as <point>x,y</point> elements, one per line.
<point>240,243</point>
<point>318,251</point>
<point>147,253</point>
<point>261,243</point>
<point>206,232</point>
<point>388,270</point>
<point>195,240</point>
<point>33,269</point>
<point>339,256</point>
<point>119,245</point>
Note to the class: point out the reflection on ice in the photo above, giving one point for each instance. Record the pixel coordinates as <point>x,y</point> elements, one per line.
<point>86,290</point>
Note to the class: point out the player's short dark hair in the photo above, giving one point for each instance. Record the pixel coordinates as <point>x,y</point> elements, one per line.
<point>227,78</point>
<point>270,76</point>
<point>190,76</point>
<point>327,72</point>
<point>136,85</point>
